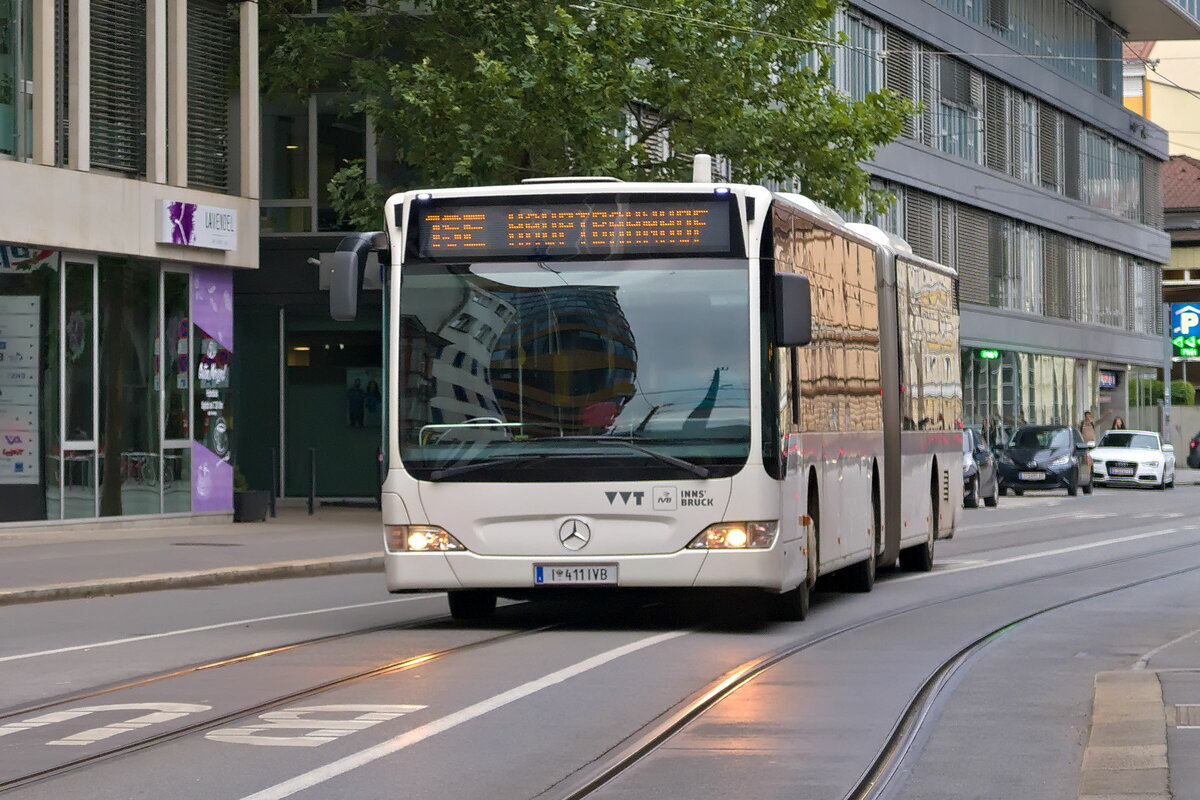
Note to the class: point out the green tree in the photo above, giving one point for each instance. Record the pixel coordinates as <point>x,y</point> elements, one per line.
<point>474,92</point>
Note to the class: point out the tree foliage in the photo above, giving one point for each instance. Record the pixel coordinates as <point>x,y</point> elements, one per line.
<point>474,92</point>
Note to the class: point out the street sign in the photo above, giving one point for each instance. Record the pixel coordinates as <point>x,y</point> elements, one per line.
<point>1185,330</point>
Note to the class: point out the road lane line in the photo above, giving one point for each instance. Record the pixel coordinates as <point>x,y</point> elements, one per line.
<point>201,629</point>
<point>1040,554</point>
<point>319,775</point>
<point>1145,659</point>
<point>1008,523</point>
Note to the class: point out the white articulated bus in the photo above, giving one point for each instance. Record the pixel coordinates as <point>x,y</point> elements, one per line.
<point>594,383</point>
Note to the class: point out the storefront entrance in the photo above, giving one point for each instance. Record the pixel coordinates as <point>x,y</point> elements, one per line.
<point>100,415</point>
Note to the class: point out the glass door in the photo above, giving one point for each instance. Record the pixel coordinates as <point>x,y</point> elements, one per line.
<point>174,373</point>
<point>78,461</point>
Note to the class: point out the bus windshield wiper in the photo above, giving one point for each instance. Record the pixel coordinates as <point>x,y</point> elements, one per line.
<point>695,469</point>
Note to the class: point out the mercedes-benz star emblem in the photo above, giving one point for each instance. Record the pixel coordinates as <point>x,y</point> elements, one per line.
<point>1033,463</point>
<point>574,534</point>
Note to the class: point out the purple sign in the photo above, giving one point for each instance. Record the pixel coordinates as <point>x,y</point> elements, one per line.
<point>212,328</point>
<point>212,303</point>
<point>195,225</point>
<point>212,481</point>
<point>182,220</point>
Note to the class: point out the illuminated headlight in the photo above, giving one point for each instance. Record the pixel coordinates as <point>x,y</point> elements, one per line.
<point>420,539</point>
<point>736,536</point>
<point>1061,461</point>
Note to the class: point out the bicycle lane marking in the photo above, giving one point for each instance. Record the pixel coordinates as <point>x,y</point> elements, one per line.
<point>353,761</point>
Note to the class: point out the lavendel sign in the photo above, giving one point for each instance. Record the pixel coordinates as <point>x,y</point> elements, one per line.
<point>194,225</point>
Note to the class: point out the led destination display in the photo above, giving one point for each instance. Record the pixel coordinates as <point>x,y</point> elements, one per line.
<point>553,228</point>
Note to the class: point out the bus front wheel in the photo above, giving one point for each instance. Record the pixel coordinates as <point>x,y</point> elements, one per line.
<point>472,604</point>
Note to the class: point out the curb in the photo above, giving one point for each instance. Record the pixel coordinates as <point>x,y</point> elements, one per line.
<point>309,568</point>
<point>1126,754</point>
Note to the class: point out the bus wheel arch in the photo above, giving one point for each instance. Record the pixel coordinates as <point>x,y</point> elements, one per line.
<point>919,558</point>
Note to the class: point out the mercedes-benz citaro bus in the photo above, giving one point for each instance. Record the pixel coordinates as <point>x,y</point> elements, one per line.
<point>600,384</point>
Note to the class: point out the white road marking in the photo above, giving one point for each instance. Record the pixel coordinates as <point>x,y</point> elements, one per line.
<point>319,775</point>
<point>321,729</point>
<point>1040,554</point>
<point>203,628</point>
<point>1013,522</point>
<point>160,712</point>
<point>1145,659</point>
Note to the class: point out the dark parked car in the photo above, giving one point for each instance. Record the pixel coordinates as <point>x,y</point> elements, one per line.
<point>980,477</point>
<point>1193,457</point>
<point>1045,457</point>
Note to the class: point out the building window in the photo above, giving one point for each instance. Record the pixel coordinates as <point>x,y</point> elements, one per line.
<point>16,72</point>
<point>958,130</point>
<point>212,34</point>
<point>858,67</point>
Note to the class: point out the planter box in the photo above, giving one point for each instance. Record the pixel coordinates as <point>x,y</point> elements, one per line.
<point>251,506</point>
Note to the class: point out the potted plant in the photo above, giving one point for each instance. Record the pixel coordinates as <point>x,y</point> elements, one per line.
<point>249,505</point>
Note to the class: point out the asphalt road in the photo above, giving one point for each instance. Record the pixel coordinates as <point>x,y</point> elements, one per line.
<point>328,687</point>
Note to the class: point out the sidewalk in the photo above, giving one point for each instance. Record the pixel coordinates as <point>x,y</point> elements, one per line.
<point>72,561</point>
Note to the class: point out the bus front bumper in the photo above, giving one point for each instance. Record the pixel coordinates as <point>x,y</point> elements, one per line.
<point>761,569</point>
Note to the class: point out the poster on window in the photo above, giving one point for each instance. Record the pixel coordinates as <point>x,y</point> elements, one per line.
<point>212,328</point>
<point>20,321</point>
<point>364,397</point>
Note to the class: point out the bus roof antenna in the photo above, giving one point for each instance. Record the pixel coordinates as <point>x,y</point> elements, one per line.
<point>702,168</point>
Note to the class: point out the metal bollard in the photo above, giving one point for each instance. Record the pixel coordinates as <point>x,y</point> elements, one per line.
<point>312,480</point>
<point>274,478</point>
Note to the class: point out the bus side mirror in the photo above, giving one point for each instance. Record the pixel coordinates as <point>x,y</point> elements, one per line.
<point>793,310</point>
<point>342,270</point>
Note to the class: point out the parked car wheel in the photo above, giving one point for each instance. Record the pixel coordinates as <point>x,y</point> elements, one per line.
<point>971,496</point>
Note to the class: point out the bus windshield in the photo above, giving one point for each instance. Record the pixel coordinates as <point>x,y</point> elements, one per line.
<point>532,371</point>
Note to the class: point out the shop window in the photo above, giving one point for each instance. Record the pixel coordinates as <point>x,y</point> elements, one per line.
<point>29,372</point>
<point>128,454</point>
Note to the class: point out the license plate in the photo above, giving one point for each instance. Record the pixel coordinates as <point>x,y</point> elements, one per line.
<point>1031,476</point>
<point>568,574</point>
<point>1121,471</point>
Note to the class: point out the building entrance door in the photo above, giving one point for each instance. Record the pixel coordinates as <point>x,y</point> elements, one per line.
<point>334,408</point>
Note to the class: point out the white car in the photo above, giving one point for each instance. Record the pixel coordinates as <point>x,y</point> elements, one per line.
<point>1133,458</point>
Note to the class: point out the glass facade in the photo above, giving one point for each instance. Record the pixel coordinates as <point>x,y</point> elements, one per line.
<point>1005,389</point>
<point>16,69</point>
<point>98,384</point>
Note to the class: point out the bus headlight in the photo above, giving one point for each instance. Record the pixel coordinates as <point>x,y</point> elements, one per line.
<point>419,539</point>
<point>736,536</point>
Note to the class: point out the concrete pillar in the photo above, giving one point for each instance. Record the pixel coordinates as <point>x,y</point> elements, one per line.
<point>156,91</point>
<point>44,88</point>
<point>177,121</point>
<point>80,67</point>
<point>249,119</point>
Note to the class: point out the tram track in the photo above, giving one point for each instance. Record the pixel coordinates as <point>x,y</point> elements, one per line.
<point>10,784</point>
<point>637,746</point>
<point>876,779</point>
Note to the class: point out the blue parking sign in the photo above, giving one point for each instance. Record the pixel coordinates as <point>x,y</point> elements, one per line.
<point>1185,330</point>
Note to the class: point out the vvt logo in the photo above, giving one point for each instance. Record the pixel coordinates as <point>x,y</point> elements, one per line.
<point>625,497</point>
<point>13,439</point>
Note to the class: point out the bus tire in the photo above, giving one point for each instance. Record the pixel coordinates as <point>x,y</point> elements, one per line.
<point>472,604</point>
<point>860,577</point>
<point>919,558</point>
<point>791,606</point>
